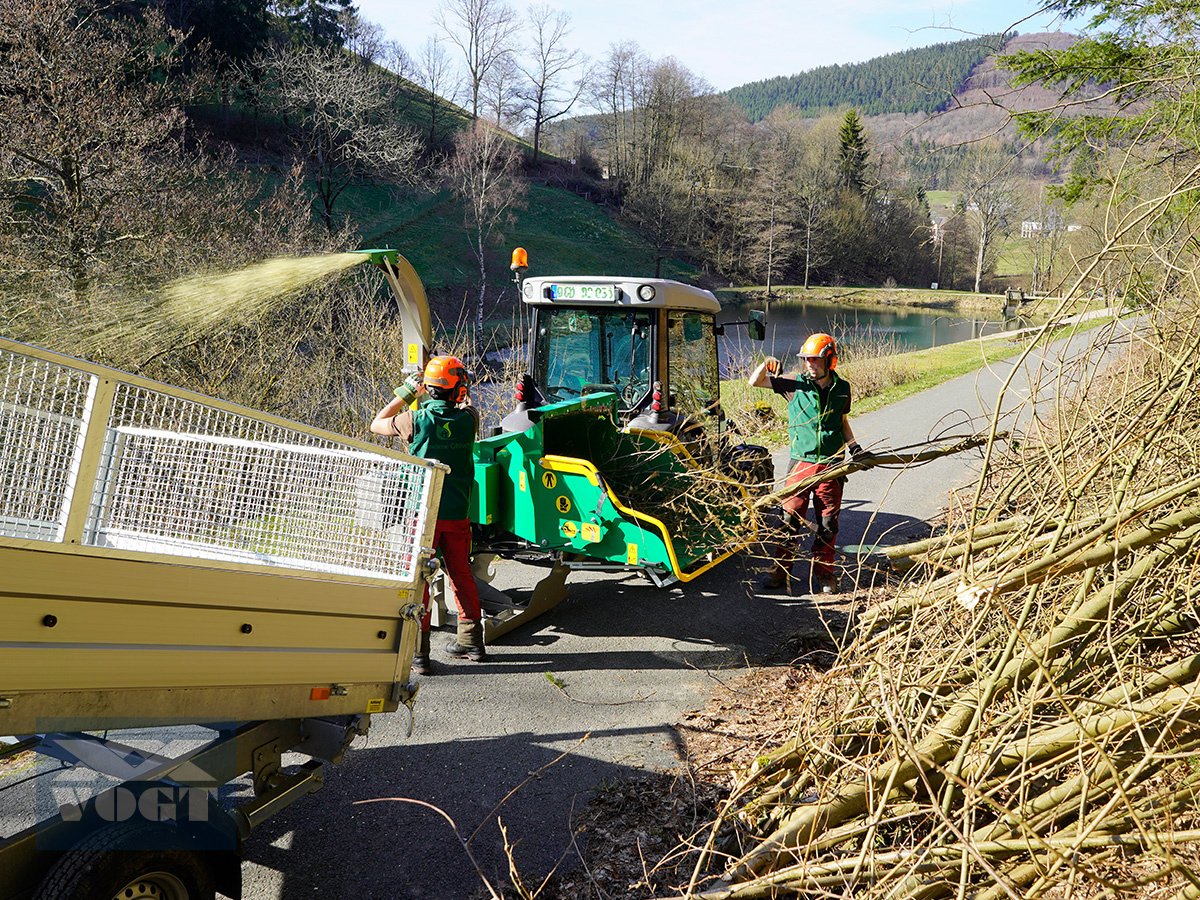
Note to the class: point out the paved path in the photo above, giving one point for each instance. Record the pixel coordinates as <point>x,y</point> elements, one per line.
<point>630,658</point>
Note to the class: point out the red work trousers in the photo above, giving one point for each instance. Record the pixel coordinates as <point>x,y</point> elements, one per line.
<point>827,502</point>
<point>452,541</point>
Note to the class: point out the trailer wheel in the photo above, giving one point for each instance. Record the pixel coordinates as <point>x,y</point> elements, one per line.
<point>129,861</point>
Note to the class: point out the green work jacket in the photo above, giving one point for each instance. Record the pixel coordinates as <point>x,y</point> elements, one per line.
<point>444,432</point>
<point>815,416</point>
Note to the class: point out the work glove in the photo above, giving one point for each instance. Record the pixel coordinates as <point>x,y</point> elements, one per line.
<point>856,453</point>
<point>408,391</point>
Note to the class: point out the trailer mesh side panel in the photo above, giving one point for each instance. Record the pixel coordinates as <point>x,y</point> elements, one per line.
<point>183,478</point>
<point>43,413</point>
<point>178,477</point>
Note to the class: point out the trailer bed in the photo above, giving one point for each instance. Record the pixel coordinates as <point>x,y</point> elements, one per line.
<point>169,558</point>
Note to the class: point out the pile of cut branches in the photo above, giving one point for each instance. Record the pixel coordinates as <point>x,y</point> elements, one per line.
<point>1023,718</point>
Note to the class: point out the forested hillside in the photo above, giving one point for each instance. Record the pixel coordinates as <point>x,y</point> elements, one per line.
<point>302,131</point>
<point>923,79</point>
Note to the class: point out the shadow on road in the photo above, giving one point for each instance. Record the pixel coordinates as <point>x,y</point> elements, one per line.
<point>403,850</point>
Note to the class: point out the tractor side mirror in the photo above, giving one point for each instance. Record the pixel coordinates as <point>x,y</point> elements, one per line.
<point>756,327</point>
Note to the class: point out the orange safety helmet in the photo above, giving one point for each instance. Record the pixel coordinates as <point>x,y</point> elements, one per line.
<point>820,346</point>
<point>447,373</point>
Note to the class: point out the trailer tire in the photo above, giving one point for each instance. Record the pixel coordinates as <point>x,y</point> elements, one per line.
<point>136,860</point>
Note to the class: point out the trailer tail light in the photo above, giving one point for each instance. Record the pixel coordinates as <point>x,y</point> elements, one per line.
<point>319,693</point>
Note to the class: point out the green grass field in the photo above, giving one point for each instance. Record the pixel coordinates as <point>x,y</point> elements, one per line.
<point>1016,258</point>
<point>563,233</point>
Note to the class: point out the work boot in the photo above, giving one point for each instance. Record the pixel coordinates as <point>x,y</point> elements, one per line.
<point>469,641</point>
<point>826,585</point>
<point>422,664</point>
<point>778,579</point>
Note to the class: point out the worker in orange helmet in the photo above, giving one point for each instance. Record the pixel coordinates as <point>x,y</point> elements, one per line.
<point>819,434</point>
<point>444,427</point>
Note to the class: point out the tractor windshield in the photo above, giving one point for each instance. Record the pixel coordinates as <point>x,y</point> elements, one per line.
<point>582,351</point>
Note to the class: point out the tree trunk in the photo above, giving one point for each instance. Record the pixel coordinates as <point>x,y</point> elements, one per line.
<point>983,237</point>
<point>770,248</point>
<point>479,250</point>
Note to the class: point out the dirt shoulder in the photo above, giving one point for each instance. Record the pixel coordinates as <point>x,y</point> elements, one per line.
<point>637,837</point>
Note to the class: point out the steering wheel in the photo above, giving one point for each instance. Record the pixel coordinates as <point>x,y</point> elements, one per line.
<point>596,387</point>
<point>559,390</point>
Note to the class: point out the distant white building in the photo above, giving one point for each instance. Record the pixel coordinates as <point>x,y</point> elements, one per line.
<point>1054,222</point>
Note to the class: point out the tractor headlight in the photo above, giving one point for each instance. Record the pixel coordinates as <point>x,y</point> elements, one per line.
<point>645,292</point>
<point>527,290</point>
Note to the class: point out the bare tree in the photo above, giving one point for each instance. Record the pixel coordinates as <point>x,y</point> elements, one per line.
<point>769,213</point>
<point>814,195</point>
<point>347,129</point>
<point>485,31</point>
<point>397,61</point>
<point>89,131</point>
<point>363,38</point>
<point>500,93</point>
<point>435,75</point>
<point>553,78</point>
<point>618,93</point>
<point>660,210</point>
<point>1044,233</point>
<point>675,107</point>
<point>989,198</point>
<point>482,173</point>
<point>655,114</point>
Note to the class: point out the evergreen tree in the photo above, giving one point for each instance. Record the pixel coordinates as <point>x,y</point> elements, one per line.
<point>234,30</point>
<point>315,22</point>
<point>923,79</point>
<point>852,153</point>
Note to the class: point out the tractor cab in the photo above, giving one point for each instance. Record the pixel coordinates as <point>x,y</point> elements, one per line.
<point>650,341</point>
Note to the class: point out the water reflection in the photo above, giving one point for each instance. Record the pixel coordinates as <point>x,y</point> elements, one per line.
<point>790,322</point>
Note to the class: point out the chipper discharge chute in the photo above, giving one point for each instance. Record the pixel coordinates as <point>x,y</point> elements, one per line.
<point>248,585</point>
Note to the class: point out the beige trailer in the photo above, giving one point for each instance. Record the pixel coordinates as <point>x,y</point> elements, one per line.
<point>169,558</point>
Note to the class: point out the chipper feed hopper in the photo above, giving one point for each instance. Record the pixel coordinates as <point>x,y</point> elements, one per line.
<point>617,456</point>
<point>607,498</point>
<point>169,558</point>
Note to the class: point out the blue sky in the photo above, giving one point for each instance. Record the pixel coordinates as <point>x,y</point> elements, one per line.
<point>731,42</point>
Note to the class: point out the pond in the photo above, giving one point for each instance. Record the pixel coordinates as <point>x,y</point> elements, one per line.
<point>872,329</point>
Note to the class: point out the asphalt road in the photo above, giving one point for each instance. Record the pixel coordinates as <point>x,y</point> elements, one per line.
<point>499,741</point>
